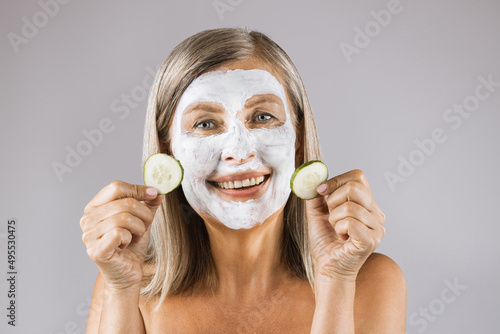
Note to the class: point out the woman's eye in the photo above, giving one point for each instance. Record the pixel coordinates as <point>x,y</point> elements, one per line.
<point>263,117</point>
<point>204,125</point>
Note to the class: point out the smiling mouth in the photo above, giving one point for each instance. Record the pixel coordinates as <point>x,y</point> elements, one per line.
<point>241,184</point>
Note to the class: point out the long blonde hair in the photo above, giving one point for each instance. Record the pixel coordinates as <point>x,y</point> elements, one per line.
<point>179,248</point>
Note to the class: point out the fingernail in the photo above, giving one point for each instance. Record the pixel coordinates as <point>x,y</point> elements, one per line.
<point>152,192</point>
<point>321,188</point>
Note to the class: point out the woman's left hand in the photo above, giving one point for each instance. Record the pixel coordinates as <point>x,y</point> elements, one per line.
<point>345,226</point>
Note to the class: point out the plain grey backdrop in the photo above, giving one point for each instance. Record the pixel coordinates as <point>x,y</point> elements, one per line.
<point>411,99</point>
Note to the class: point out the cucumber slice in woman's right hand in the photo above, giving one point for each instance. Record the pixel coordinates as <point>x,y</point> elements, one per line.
<point>307,177</point>
<point>163,172</point>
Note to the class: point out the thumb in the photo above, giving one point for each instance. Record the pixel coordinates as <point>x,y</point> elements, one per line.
<point>316,206</point>
<point>153,200</point>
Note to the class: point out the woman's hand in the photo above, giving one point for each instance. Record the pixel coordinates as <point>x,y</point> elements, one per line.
<point>345,226</point>
<point>115,227</point>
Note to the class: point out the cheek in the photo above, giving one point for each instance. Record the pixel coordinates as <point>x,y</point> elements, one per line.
<point>198,155</point>
<point>276,146</point>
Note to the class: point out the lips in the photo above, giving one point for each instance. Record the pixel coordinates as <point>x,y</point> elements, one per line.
<point>240,183</point>
<point>242,189</point>
<point>239,176</point>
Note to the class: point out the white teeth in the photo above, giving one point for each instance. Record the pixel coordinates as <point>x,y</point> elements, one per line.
<point>241,183</point>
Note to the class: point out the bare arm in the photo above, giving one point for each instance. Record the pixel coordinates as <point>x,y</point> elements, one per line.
<point>381,297</point>
<point>334,312</point>
<point>114,310</point>
<point>375,304</point>
<point>116,232</point>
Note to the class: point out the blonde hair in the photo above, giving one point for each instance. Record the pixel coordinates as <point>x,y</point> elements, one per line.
<point>179,248</point>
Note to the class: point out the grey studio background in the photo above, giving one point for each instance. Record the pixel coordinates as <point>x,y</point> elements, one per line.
<point>412,100</point>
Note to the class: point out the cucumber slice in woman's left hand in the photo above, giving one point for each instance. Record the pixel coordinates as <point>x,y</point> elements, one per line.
<point>307,177</point>
<point>163,172</point>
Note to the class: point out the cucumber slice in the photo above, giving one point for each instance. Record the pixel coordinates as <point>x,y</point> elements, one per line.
<point>307,177</point>
<point>163,172</point>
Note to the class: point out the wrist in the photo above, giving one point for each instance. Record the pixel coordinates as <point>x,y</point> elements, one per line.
<point>335,279</point>
<point>123,291</point>
<point>328,288</point>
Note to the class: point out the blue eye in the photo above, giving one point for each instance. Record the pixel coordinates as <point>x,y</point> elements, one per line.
<point>204,124</point>
<point>263,117</point>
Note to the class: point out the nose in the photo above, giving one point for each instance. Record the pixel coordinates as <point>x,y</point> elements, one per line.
<point>235,159</point>
<point>239,147</point>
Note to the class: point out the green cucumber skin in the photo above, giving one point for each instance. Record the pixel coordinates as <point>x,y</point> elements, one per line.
<point>144,174</point>
<point>298,169</point>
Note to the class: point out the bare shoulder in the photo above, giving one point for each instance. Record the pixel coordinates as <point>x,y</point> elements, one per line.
<point>380,268</point>
<point>380,302</point>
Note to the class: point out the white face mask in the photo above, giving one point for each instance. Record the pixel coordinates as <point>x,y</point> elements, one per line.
<point>205,155</point>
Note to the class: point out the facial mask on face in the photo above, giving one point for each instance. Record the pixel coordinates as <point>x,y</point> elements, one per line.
<point>201,156</point>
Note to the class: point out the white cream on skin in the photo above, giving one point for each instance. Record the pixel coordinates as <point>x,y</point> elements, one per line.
<point>202,155</point>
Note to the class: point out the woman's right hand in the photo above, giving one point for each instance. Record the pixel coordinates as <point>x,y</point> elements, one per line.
<point>115,227</point>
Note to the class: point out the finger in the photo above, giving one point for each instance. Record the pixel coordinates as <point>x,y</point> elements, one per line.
<point>362,237</point>
<point>355,192</point>
<point>353,228</point>
<point>119,189</point>
<point>138,238</point>
<point>317,205</point>
<point>339,180</point>
<point>129,205</point>
<point>354,210</point>
<point>123,220</point>
<point>154,203</point>
<point>111,241</point>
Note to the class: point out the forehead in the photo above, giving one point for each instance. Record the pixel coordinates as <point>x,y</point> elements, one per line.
<point>231,88</point>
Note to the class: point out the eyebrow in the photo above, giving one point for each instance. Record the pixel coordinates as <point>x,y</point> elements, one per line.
<point>263,99</point>
<point>205,106</point>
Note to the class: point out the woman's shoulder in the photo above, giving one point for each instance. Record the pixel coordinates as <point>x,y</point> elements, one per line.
<point>381,292</point>
<point>380,264</point>
<point>380,271</point>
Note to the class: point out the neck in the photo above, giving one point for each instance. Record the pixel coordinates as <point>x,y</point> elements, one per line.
<point>248,261</point>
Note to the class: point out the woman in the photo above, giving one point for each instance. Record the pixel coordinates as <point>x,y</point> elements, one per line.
<point>233,250</point>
